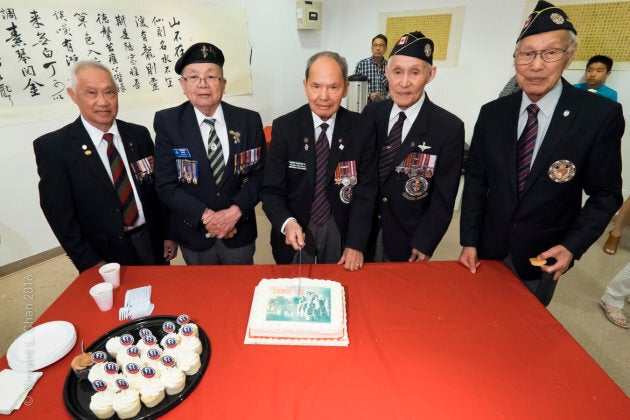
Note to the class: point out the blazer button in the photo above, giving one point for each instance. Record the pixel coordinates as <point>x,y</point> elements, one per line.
<point>218,194</point>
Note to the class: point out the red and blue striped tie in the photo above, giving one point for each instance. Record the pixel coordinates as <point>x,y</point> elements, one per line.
<point>121,183</point>
<point>525,146</point>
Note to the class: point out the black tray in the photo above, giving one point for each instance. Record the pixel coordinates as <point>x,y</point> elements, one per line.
<point>77,393</point>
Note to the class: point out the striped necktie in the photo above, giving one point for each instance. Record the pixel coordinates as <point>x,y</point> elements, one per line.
<point>391,148</point>
<point>525,146</point>
<point>320,210</point>
<point>121,183</point>
<point>215,153</point>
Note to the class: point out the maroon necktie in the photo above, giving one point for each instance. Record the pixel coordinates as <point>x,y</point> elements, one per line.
<point>121,183</point>
<point>391,148</point>
<point>320,211</point>
<point>525,146</point>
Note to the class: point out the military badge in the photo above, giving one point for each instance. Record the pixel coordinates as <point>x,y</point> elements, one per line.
<point>428,50</point>
<point>561,171</point>
<point>416,188</point>
<point>557,18</point>
<point>345,194</point>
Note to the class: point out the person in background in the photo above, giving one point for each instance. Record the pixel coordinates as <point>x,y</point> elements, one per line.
<point>320,181</point>
<point>374,69</point>
<point>613,299</point>
<point>598,69</point>
<point>97,186</point>
<point>420,148</point>
<point>621,221</point>
<point>209,157</point>
<point>532,157</point>
<point>510,87</point>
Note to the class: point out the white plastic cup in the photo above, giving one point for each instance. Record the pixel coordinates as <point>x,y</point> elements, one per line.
<point>103,295</point>
<point>111,273</point>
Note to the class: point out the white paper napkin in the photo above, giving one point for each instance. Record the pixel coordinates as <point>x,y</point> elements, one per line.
<point>14,387</point>
<point>137,304</point>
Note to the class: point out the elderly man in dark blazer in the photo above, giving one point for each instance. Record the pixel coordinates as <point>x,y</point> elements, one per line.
<point>320,180</point>
<point>420,149</point>
<point>532,155</point>
<point>209,157</point>
<point>96,185</point>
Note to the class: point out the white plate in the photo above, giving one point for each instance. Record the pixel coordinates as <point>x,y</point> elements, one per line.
<point>41,346</point>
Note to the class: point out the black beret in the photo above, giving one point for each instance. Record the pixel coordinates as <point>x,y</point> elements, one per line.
<point>201,52</point>
<point>414,44</point>
<point>545,18</point>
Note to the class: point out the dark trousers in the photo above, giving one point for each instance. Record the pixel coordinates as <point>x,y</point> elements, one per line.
<point>543,287</point>
<point>219,254</point>
<point>323,244</point>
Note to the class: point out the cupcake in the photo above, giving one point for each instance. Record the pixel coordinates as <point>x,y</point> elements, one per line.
<point>97,371</point>
<point>127,403</point>
<point>189,330</point>
<point>152,393</point>
<point>148,342</point>
<point>169,327</point>
<point>113,346</point>
<point>102,400</point>
<point>173,380</point>
<point>131,372</point>
<point>190,343</point>
<point>110,373</point>
<point>130,355</point>
<point>152,358</point>
<point>81,365</point>
<point>169,337</point>
<point>189,362</point>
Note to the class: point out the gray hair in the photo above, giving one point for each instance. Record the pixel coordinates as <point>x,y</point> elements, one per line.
<point>330,54</point>
<point>86,64</point>
<point>573,42</point>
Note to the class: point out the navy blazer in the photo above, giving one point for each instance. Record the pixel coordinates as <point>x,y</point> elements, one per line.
<point>80,203</point>
<point>585,131</point>
<point>289,184</point>
<point>177,128</point>
<point>420,223</point>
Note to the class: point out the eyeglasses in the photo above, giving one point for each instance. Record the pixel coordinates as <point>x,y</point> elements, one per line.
<point>196,80</point>
<point>548,56</point>
<point>379,45</point>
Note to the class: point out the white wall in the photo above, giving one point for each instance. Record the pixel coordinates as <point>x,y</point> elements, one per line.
<point>279,52</point>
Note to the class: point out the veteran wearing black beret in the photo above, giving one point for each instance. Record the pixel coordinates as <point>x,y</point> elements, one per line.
<point>208,162</point>
<point>533,154</point>
<point>420,147</point>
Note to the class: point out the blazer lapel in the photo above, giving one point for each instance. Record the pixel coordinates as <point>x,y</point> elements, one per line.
<point>338,142</point>
<point>130,143</point>
<point>416,135</point>
<point>191,137</point>
<point>507,146</point>
<point>306,132</point>
<point>560,123</point>
<point>82,144</point>
<point>232,125</point>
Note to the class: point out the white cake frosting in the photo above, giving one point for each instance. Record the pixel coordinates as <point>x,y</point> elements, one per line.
<point>301,310</point>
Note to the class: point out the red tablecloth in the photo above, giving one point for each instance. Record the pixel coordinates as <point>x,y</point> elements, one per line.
<point>427,340</point>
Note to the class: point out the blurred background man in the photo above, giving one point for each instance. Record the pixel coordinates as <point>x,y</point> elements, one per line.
<point>374,69</point>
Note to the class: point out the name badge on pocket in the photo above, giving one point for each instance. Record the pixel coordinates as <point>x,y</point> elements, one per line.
<point>297,165</point>
<point>182,153</point>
